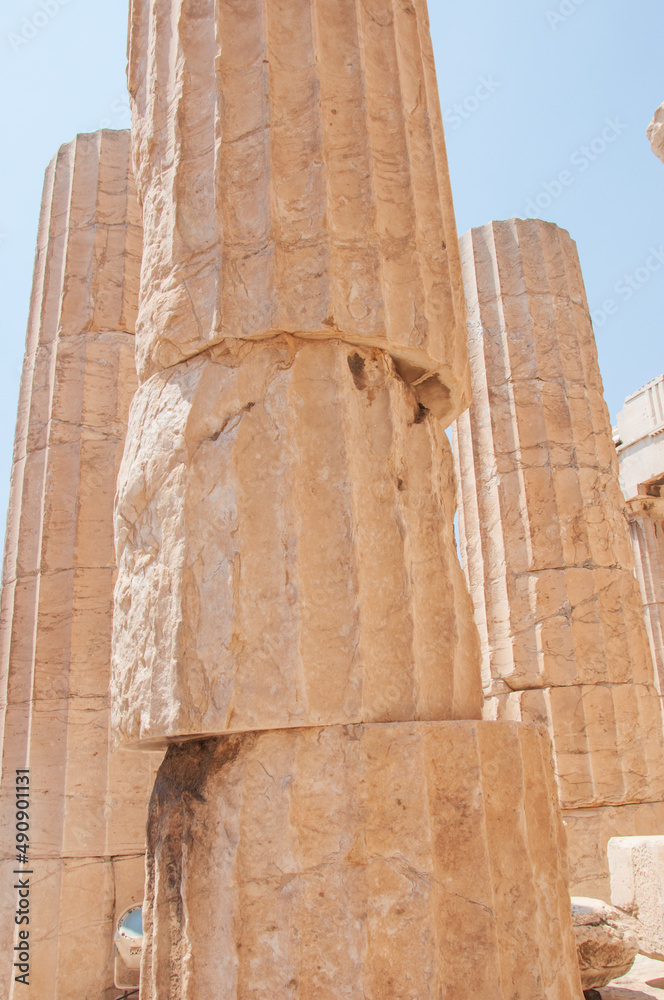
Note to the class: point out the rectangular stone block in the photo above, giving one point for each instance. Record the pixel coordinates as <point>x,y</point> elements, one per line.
<point>636,865</point>
<point>588,834</point>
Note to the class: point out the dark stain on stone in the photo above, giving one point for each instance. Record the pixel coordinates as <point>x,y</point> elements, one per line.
<point>421,414</point>
<point>181,782</point>
<point>356,365</point>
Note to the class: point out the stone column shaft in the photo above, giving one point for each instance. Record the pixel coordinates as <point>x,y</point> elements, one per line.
<point>360,861</point>
<point>291,164</point>
<point>646,522</point>
<point>544,537</point>
<point>285,514</point>
<point>88,805</point>
<point>288,584</point>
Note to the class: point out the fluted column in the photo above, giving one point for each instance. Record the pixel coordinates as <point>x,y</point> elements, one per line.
<point>379,861</point>
<point>290,615</point>
<point>87,804</point>
<point>544,537</point>
<point>646,522</point>
<point>285,511</point>
<point>291,164</point>
<point>301,321</point>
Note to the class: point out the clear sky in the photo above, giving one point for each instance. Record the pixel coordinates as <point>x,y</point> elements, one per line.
<point>546,104</point>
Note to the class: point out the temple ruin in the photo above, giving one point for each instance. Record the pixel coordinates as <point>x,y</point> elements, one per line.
<point>257,695</point>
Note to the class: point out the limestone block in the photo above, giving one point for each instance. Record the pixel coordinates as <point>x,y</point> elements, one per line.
<point>286,549</point>
<point>543,535</point>
<point>397,860</point>
<point>656,134</point>
<point>589,832</point>
<point>637,887</point>
<point>291,164</point>
<point>605,942</point>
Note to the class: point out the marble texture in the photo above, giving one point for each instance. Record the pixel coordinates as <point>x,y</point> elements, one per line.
<point>291,164</point>
<point>543,534</point>
<point>646,525</point>
<point>637,887</point>
<point>398,860</point>
<point>286,549</point>
<point>88,803</point>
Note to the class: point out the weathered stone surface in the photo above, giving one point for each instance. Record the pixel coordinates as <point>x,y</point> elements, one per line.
<point>644,981</point>
<point>639,441</point>
<point>74,905</point>
<point>589,832</point>
<point>88,805</point>
<point>605,942</point>
<point>544,538</point>
<point>295,180</point>
<point>285,537</point>
<point>646,523</point>
<point>405,860</point>
<point>286,549</point>
<point>656,133</point>
<point>637,887</point>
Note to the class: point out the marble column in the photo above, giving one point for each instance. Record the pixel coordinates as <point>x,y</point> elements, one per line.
<point>291,620</point>
<point>646,523</point>
<point>545,542</point>
<point>88,805</point>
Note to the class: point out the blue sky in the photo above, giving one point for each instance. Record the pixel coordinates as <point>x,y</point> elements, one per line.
<point>546,105</point>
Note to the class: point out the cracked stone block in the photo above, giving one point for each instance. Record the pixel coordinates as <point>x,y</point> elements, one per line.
<point>286,549</point>
<point>589,832</point>
<point>397,860</point>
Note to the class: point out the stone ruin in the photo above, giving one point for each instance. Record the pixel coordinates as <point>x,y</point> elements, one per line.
<point>232,607</point>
